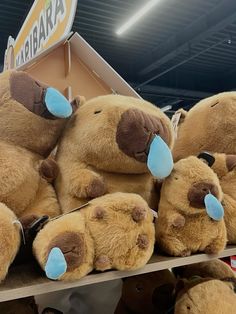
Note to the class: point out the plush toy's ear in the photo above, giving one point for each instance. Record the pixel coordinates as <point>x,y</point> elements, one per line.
<point>77,102</point>
<point>231,162</point>
<point>183,115</point>
<point>207,158</point>
<point>49,169</point>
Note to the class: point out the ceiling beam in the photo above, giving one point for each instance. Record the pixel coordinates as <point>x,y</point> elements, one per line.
<point>170,92</point>
<point>217,19</point>
<point>185,60</point>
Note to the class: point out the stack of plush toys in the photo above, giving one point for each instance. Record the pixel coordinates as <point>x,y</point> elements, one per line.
<point>90,207</point>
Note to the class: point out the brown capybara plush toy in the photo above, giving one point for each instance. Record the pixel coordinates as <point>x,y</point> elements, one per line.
<point>148,293</point>
<point>225,168</point>
<point>206,295</point>
<point>207,287</point>
<point>208,126</point>
<point>188,219</point>
<point>104,150</point>
<point>30,125</point>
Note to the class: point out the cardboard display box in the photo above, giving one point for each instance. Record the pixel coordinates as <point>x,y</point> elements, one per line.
<point>75,68</point>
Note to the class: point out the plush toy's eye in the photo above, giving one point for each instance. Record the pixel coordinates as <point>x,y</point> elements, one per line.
<point>97,111</point>
<point>176,178</point>
<point>216,103</point>
<point>188,307</point>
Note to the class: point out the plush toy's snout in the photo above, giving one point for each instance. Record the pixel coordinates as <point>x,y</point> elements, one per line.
<point>38,98</point>
<point>198,192</point>
<point>135,132</point>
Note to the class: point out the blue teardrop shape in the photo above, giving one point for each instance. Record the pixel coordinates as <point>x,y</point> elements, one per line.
<point>214,208</point>
<point>160,160</point>
<point>56,264</point>
<point>57,104</point>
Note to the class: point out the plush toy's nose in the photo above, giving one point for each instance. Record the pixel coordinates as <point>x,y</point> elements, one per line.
<point>135,132</point>
<point>37,97</point>
<point>198,191</point>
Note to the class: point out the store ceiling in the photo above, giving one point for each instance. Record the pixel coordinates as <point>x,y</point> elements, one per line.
<point>182,51</point>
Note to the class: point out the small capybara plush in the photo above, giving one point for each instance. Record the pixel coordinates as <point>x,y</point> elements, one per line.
<point>184,225</point>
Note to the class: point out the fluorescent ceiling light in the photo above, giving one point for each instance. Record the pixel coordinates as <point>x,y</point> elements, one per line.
<point>137,16</point>
<point>166,108</point>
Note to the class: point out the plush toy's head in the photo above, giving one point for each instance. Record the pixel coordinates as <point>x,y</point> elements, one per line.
<point>113,133</point>
<point>206,295</point>
<point>149,293</point>
<point>188,185</point>
<point>215,269</point>
<point>32,114</point>
<point>210,126</point>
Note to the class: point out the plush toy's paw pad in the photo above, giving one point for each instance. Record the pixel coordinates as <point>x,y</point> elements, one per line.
<point>99,213</point>
<point>160,160</point>
<point>57,104</point>
<point>179,221</point>
<point>143,241</point>
<point>49,170</point>
<point>56,265</point>
<point>96,188</point>
<point>211,250</point>
<point>139,214</point>
<point>185,253</point>
<point>102,263</point>
<point>72,245</point>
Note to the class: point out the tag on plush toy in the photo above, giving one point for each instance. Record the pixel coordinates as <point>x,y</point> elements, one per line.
<point>214,208</point>
<point>160,160</point>
<point>56,264</point>
<point>57,104</point>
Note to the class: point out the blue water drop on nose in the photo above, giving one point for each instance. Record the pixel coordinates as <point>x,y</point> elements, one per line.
<point>160,160</point>
<point>57,104</point>
<point>56,264</point>
<point>214,208</point>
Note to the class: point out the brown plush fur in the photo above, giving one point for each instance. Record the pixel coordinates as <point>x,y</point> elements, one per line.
<point>92,157</point>
<point>208,126</point>
<point>27,134</point>
<point>114,231</point>
<point>225,168</point>
<point>148,293</point>
<point>183,228</point>
<point>207,296</point>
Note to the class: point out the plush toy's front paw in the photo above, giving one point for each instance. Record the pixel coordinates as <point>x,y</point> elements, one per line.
<point>96,188</point>
<point>213,249</point>
<point>93,186</point>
